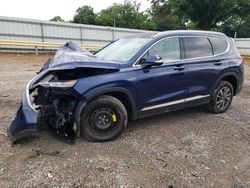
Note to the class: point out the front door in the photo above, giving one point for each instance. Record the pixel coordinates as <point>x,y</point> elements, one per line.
<point>162,88</point>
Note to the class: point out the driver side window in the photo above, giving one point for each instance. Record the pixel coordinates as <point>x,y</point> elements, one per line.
<point>168,49</point>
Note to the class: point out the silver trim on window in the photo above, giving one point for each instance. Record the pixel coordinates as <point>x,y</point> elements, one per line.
<point>174,61</point>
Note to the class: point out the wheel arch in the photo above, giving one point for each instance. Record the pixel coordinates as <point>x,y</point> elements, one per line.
<point>232,78</point>
<point>121,94</point>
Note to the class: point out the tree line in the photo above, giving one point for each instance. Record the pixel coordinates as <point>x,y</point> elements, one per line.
<point>228,16</point>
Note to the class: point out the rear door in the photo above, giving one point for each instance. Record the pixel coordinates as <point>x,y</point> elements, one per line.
<point>202,59</point>
<point>162,88</point>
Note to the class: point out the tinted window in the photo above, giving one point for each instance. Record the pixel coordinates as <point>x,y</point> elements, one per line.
<point>197,47</point>
<point>168,49</point>
<point>219,45</point>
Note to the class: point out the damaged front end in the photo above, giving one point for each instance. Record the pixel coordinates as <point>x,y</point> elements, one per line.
<point>51,96</point>
<point>46,100</point>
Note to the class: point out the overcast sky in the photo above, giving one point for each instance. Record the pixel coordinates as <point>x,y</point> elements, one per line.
<point>47,9</point>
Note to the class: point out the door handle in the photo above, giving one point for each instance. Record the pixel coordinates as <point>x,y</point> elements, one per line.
<point>218,63</point>
<point>179,68</point>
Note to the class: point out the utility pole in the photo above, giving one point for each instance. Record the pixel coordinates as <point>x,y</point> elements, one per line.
<point>114,30</point>
<point>113,33</point>
<point>235,35</point>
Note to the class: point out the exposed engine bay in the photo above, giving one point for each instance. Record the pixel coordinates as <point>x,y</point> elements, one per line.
<point>56,109</point>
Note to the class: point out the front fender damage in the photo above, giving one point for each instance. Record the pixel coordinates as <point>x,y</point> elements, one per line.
<point>50,97</point>
<point>58,107</point>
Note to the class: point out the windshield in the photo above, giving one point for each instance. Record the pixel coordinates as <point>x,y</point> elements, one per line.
<point>123,49</point>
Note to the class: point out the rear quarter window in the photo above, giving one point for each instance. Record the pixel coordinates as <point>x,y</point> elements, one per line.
<point>197,47</point>
<point>219,45</point>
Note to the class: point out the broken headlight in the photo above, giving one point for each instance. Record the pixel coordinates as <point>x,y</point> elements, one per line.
<point>59,84</point>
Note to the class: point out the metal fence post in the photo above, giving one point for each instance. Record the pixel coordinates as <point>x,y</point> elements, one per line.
<point>81,35</point>
<point>42,32</point>
<point>36,50</point>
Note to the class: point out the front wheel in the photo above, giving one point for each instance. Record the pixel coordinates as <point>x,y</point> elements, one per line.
<point>103,119</point>
<point>222,98</point>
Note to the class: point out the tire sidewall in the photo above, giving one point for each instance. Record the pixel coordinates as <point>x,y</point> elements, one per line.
<point>104,101</point>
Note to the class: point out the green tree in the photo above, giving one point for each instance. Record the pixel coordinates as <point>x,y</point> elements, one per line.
<point>126,15</point>
<point>85,15</point>
<point>206,14</point>
<point>239,20</point>
<point>228,16</point>
<point>57,19</point>
<point>167,16</point>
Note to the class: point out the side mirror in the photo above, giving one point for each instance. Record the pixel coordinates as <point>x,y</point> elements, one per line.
<point>152,60</point>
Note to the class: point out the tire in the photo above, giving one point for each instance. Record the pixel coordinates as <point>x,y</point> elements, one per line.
<point>103,119</point>
<point>221,98</point>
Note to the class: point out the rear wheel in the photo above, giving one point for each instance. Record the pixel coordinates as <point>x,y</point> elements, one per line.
<point>222,98</point>
<point>103,119</point>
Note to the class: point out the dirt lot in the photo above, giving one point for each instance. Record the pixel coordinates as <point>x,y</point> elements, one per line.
<point>188,148</point>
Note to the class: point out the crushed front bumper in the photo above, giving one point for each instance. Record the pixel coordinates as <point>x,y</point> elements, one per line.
<point>25,121</point>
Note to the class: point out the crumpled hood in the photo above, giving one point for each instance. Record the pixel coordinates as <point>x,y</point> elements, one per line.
<point>71,56</point>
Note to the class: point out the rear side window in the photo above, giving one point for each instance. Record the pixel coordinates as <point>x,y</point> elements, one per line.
<point>197,47</point>
<point>219,45</point>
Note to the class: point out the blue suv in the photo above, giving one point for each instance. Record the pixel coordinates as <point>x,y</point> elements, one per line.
<point>94,95</point>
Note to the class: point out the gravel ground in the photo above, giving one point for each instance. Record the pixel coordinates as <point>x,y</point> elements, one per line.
<point>188,148</point>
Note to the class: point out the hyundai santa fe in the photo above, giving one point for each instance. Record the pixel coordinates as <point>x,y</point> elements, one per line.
<point>94,95</point>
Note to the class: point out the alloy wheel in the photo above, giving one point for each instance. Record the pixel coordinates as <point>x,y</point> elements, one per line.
<point>223,98</point>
